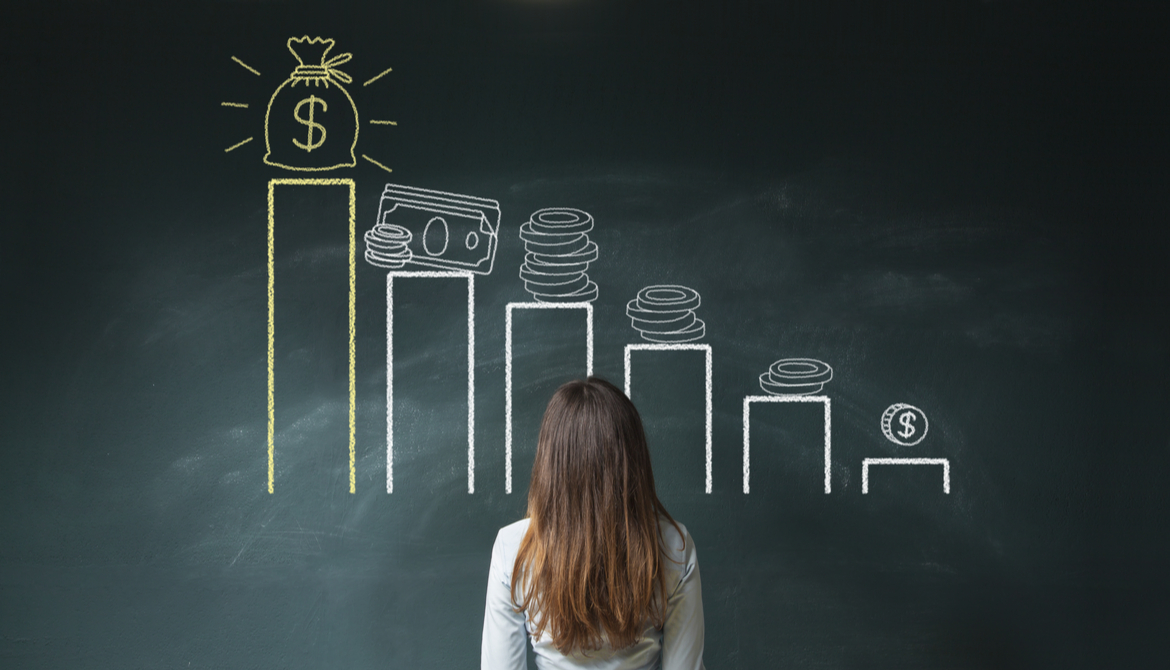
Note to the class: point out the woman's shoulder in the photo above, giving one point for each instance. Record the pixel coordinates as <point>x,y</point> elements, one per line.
<point>515,528</point>
<point>677,544</point>
<point>509,537</point>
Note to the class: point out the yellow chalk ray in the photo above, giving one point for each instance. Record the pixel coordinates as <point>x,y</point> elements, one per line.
<point>237,145</point>
<point>380,75</point>
<point>377,163</point>
<point>241,105</point>
<point>272,184</point>
<point>384,123</point>
<point>246,66</point>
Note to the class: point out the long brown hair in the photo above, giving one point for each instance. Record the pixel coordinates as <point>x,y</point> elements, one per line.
<point>589,568</point>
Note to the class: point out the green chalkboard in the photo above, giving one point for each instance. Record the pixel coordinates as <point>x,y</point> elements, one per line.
<point>886,282</point>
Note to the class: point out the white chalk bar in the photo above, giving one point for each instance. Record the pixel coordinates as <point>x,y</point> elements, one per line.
<point>706,349</point>
<point>390,277</point>
<point>511,307</point>
<point>748,401</point>
<point>946,469</point>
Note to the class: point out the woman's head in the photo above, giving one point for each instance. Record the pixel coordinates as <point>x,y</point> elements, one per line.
<point>591,450</point>
<point>590,562</point>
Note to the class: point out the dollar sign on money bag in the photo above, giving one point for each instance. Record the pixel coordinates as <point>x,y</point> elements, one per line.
<point>312,102</point>
<point>312,122</point>
<point>907,421</point>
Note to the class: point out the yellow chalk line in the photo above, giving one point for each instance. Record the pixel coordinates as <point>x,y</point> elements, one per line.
<point>237,145</point>
<point>377,163</point>
<point>384,123</point>
<point>241,105</point>
<point>383,74</point>
<point>245,66</point>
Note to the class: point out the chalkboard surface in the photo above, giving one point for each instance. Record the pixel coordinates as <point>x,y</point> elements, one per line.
<point>247,424</point>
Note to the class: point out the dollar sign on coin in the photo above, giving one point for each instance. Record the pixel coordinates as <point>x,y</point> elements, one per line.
<point>311,101</point>
<point>912,420</point>
<point>907,421</point>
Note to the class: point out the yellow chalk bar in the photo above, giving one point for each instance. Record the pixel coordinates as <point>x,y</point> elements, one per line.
<point>272,184</point>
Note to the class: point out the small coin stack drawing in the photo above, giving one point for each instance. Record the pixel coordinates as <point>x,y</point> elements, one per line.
<point>666,313</point>
<point>559,252</point>
<point>796,376</point>
<point>386,246</point>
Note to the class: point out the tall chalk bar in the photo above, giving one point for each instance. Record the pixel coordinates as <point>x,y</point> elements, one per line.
<point>648,381</point>
<point>750,400</point>
<point>311,271</point>
<point>561,349</point>
<point>390,378</point>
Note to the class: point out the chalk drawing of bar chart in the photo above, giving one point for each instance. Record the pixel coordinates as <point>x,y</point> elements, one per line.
<point>509,309</point>
<point>748,401</point>
<point>706,349</point>
<point>390,277</point>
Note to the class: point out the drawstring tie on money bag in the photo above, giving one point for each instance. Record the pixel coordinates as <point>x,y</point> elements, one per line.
<point>321,74</point>
<point>312,122</point>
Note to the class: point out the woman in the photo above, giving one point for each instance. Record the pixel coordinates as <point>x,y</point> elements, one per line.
<point>599,575</point>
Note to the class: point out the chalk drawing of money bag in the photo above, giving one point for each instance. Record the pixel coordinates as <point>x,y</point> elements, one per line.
<point>312,123</point>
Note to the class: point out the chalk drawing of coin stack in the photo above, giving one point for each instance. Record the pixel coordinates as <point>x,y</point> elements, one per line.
<point>387,246</point>
<point>666,313</point>
<point>796,376</point>
<point>558,253</point>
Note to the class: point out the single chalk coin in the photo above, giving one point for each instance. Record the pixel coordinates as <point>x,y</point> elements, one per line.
<point>667,296</point>
<point>695,332</point>
<point>567,288</point>
<point>530,234</point>
<point>392,265</point>
<point>588,294</point>
<point>586,255</point>
<point>800,371</point>
<point>658,315</point>
<point>684,321</point>
<point>568,266</point>
<point>549,274</point>
<point>904,424</point>
<point>561,220</point>
<point>401,255</point>
<point>390,232</point>
<point>768,383</point>
<point>570,245</point>
<point>389,247</point>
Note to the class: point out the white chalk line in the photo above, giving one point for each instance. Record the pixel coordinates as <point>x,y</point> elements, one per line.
<point>508,309</point>
<point>747,403</point>
<point>706,348</point>
<point>866,462</point>
<point>390,276</point>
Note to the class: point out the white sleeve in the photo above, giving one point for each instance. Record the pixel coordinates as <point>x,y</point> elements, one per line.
<point>682,632</point>
<point>504,635</point>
